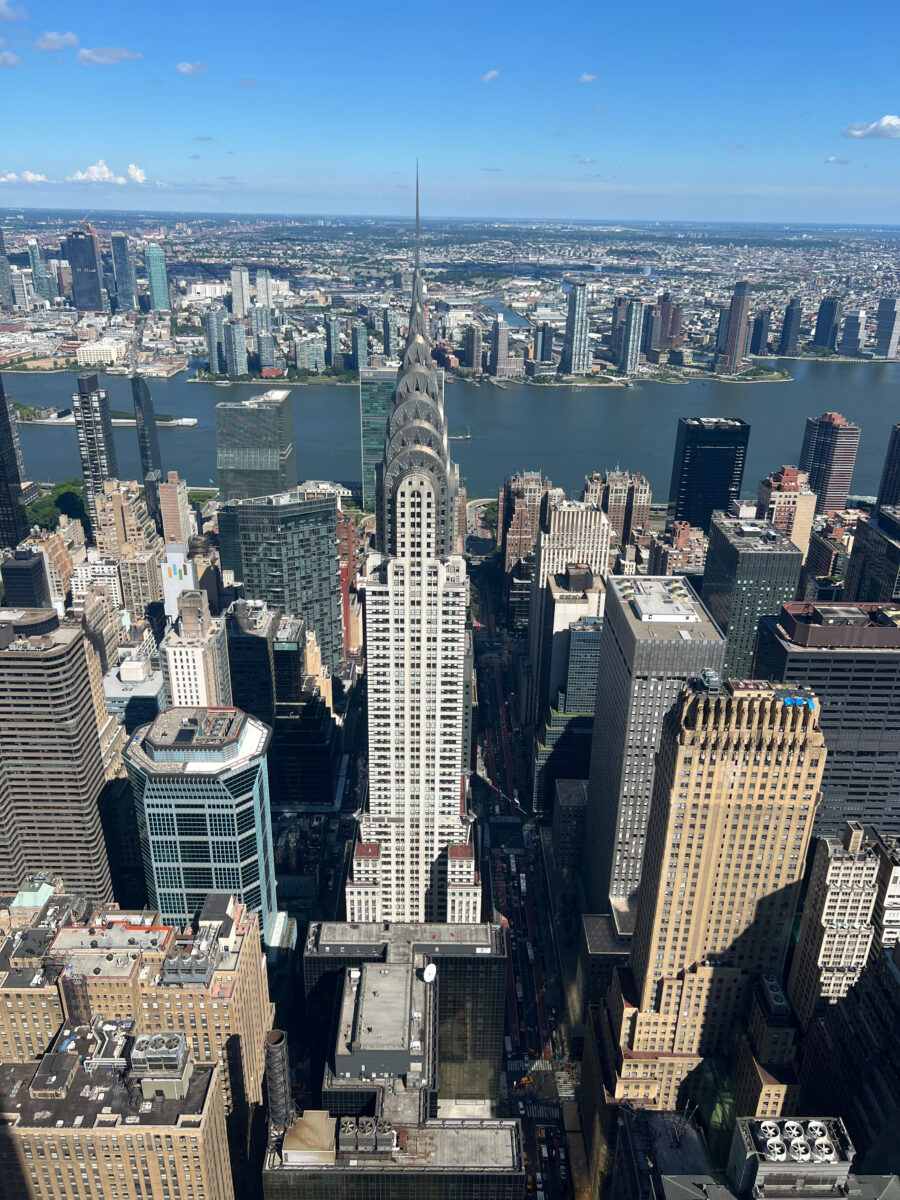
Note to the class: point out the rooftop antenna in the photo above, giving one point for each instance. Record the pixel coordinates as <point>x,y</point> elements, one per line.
<point>417,214</point>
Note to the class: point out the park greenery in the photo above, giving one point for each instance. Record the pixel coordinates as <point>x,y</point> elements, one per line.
<point>64,497</point>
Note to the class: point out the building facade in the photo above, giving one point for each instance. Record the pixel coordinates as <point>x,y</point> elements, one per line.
<point>96,444</point>
<point>708,468</point>
<point>255,453</point>
<point>376,397</point>
<point>576,355</point>
<point>13,519</point>
<point>828,456</point>
<point>157,279</point>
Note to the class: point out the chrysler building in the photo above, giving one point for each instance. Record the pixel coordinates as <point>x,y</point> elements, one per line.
<point>414,858</point>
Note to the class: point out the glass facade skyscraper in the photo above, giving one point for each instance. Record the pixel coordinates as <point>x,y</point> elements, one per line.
<point>255,446</point>
<point>13,521</point>
<point>576,358</point>
<point>44,284</point>
<point>285,550</point>
<point>155,261</point>
<point>376,395</point>
<point>82,250</point>
<point>123,270</point>
<point>215,340</point>
<point>235,348</point>
<point>201,794</point>
<point>145,416</point>
<point>708,467</point>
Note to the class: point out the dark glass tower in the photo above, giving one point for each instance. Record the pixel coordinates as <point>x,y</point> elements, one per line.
<point>376,399</point>
<point>790,328</point>
<point>889,487</point>
<point>708,467</point>
<point>828,322</point>
<point>255,453</point>
<point>751,570</point>
<point>145,415</point>
<point>759,339</point>
<point>123,269</point>
<point>82,251</point>
<point>13,521</point>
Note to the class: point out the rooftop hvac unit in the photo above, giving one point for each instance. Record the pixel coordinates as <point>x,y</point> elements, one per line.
<point>776,1150</point>
<point>384,1136</point>
<point>824,1150</point>
<point>347,1133</point>
<point>793,1129</point>
<point>816,1129</point>
<point>800,1150</point>
<point>769,1129</point>
<point>366,1133</point>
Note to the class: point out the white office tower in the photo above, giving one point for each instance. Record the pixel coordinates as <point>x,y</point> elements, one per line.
<point>240,292</point>
<point>194,656</point>
<point>414,859</point>
<point>572,533</point>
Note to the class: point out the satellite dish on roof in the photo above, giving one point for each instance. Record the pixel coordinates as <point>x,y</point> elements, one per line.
<point>430,973</point>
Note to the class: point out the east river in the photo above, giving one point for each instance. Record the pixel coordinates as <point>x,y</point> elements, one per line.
<point>566,432</point>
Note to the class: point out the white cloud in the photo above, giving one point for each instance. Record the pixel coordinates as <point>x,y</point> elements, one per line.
<point>885,127</point>
<point>9,177</point>
<point>98,172</point>
<point>490,76</point>
<point>34,177</point>
<point>12,12</point>
<point>832,160</point>
<point>136,174</point>
<point>50,40</point>
<point>106,56</point>
<point>192,68</point>
<point>8,59</point>
<point>587,77</point>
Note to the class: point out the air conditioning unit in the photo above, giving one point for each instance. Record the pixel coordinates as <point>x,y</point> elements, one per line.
<point>816,1129</point>
<point>824,1150</point>
<point>793,1129</point>
<point>800,1150</point>
<point>776,1150</point>
<point>769,1129</point>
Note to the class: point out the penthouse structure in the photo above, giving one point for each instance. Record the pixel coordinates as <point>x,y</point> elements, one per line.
<point>849,655</point>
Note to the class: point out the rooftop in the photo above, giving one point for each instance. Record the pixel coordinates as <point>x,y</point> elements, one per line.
<point>340,937</point>
<point>840,625</point>
<point>664,600</point>
<point>757,536</point>
<point>198,741</point>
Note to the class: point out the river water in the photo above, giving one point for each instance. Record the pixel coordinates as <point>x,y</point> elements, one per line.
<point>565,432</point>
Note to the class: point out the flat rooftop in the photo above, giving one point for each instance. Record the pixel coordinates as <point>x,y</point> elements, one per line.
<point>93,1102</point>
<point>663,606</point>
<point>756,536</point>
<point>197,741</point>
<point>183,728</point>
<point>453,1146</point>
<point>343,937</point>
<point>383,1006</point>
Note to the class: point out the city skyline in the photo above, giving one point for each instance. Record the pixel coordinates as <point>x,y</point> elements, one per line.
<point>201,140</point>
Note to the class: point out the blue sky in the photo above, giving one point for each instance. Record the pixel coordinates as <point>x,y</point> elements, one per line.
<point>586,109</point>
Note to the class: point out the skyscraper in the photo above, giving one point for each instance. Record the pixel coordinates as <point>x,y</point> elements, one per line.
<point>414,858</point>
<point>853,333</point>
<point>624,497</point>
<point>235,347</point>
<point>82,250</point>
<point>255,446</point>
<point>265,293</point>
<point>889,487</point>
<point>391,344</point>
<point>333,355</point>
<point>759,339</point>
<point>738,314</point>
<point>519,515</point>
<point>752,568</point>
<point>873,573</point>
<point>155,262</point>
<point>145,417</point>
<point>44,285</point>
<point>836,930</point>
<point>630,348</point>
<point>201,793</point>
<point>652,329</point>
<point>240,292</point>
<point>887,328</point>
<point>175,510</point>
<point>359,346</point>
<point>499,346</point>
<point>722,328</point>
<point>58,748</point>
<point>708,467</point>
<point>828,456</point>
<point>123,272</point>
<point>828,322</point>
<point>571,532</point>
<point>93,424</point>
<point>786,499</point>
<point>576,356</point>
<point>473,347</point>
<point>656,636</point>
<point>849,655</point>
<point>284,548</point>
<point>13,520</point>
<point>265,351</point>
<point>790,328</point>
<point>194,656</point>
<point>215,339</point>
<point>698,948</point>
<point>670,336</point>
<point>6,288</point>
<point>376,398</point>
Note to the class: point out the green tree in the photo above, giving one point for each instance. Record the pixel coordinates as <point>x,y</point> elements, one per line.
<point>65,497</point>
